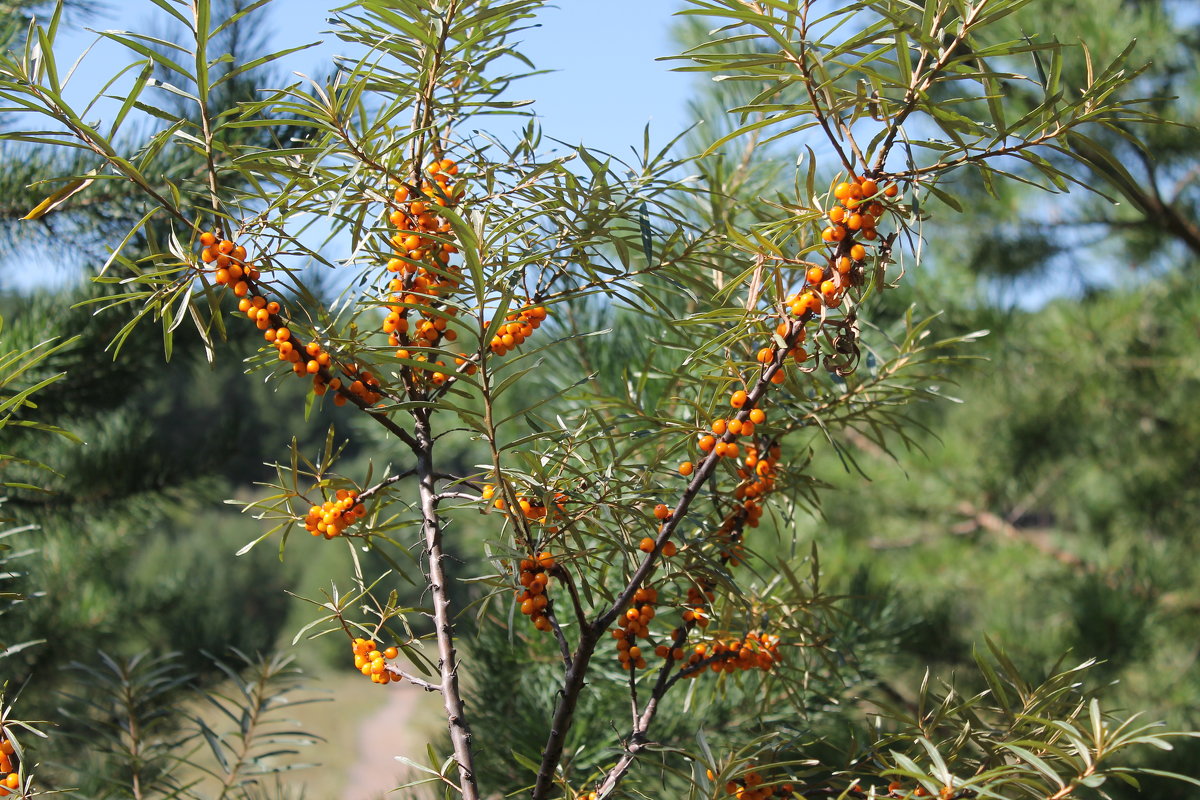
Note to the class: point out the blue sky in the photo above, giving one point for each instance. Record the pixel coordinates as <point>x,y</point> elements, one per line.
<point>605,88</point>
<point>606,84</point>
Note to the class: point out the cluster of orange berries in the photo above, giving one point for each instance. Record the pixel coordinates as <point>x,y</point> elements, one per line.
<point>767,354</point>
<point>535,577</point>
<point>854,217</point>
<point>364,387</point>
<point>755,651</point>
<point>518,327</point>
<point>10,780</point>
<point>422,264</point>
<point>334,516</point>
<point>631,625</point>
<point>372,662</point>
<point>698,598</point>
<point>362,384</point>
<point>533,509</point>
<point>758,477</point>
<point>729,428</point>
<point>662,514</point>
<point>228,260</point>
<point>750,786</point>
<point>232,270</point>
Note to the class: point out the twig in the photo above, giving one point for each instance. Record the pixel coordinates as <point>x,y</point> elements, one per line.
<point>413,679</point>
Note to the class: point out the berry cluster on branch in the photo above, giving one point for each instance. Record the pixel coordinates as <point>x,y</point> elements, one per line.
<point>373,663</point>
<point>10,777</point>
<point>332,517</point>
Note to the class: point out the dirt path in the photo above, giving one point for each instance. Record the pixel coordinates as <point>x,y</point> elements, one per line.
<point>400,727</point>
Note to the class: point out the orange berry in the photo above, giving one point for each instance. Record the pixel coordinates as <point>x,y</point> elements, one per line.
<point>757,416</point>
<point>814,274</point>
<point>669,549</point>
<point>738,399</point>
<point>891,191</point>
<point>646,546</point>
<point>858,252</point>
<point>686,468</point>
<point>661,511</point>
<point>869,188</point>
<point>208,239</point>
<point>706,443</point>
<point>842,191</point>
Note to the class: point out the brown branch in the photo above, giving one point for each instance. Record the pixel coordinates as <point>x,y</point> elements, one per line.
<point>460,732</point>
<point>809,83</point>
<point>368,493</point>
<point>919,84</point>
<point>413,679</point>
<point>641,724</point>
<point>982,519</point>
<point>563,647</point>
<point>205,119</point>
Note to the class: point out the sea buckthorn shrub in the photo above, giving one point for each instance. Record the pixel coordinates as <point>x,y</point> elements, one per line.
<point>643,354</point>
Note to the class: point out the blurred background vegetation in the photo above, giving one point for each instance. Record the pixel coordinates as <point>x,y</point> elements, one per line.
<point>1055,508</point>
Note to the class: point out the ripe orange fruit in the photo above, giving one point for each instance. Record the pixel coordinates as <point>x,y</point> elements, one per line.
<point>686,468</point>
